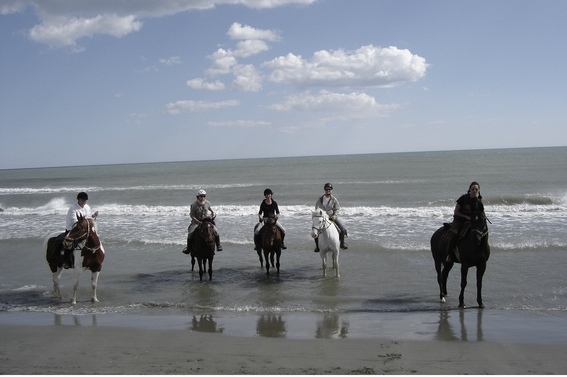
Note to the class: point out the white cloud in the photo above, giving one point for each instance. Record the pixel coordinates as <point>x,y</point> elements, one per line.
<point>64,22</point>
<point>65,32</point>
<point>237,31</point>
<point>199,83</point>
<point>247,78</point>
<point>250,47</point>
<point>171,61</point>
<point>222,62</point>
<point>367,66</point>
<point>241,124</point>
<point>189,106</point>
<point>326,101</point>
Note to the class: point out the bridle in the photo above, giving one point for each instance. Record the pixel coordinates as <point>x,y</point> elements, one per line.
<point>325,224</point>
<point>80,242</point>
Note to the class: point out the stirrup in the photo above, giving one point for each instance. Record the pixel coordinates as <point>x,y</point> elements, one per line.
<point>344,246</point>
<point>284,247</point>
<point>316,250</point>
<point>219,248</point>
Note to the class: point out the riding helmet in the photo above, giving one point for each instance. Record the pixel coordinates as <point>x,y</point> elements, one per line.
<point>82,195</point>
<point>201,192</point>
<point>328,186</point>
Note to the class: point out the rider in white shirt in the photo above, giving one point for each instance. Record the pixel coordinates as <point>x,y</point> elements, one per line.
<point>81,208</point>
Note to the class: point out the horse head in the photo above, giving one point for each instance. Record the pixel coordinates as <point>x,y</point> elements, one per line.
<point>207,230</point>
<point>80,232</point>
<point>319,218</point>
<point>478,226</point>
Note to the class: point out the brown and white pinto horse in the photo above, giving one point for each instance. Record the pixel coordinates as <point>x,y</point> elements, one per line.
<point>271,237</point>
<point>83,240</point>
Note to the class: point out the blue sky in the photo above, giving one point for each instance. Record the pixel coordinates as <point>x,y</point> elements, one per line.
<point>121,81</point>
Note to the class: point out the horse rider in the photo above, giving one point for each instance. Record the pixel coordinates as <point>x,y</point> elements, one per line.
<point>80,208</point>
<point>330,204</point>
<point>268,208</point>
<point>465,206</point>
<point>200,210</point>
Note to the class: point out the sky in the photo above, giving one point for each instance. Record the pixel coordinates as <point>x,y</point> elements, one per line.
<point>87,82</point>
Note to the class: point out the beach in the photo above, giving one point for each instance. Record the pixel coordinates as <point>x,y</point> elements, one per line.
<point>107,350</point>
<point>382,316</point>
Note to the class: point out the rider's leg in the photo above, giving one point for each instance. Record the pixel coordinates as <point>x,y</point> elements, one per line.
<point>342,233</point>
<point>453,238</point>
<point>316,245</point>
<point>191,231</point>
<point>282,230</point>
<point>257,238</point>
<point>217,240</point>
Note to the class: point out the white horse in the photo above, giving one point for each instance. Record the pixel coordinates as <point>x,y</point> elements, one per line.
<point>328,235</point>
<point>88,254</point>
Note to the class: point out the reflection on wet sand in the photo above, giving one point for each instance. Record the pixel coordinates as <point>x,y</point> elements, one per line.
<point>58,320</point>
<point>205,323</point>
<point>271,326</point>
<point>445,330</point>
<point>329,327</point>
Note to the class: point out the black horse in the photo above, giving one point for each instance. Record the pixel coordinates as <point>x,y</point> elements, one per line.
<point>204,247</point>
<point>473,250</point>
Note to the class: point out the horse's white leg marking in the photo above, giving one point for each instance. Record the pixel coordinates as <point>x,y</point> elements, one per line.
<point>94,282</point>
<point>56,277</point>
<point>324,259</point>
<point>78,270</point>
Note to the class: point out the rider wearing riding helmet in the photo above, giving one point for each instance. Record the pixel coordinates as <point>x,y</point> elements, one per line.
<point>200,210</point>
<point>330,205</point>
<point>268,208</point>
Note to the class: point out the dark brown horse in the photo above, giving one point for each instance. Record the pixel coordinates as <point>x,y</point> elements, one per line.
<point>271,237</point>
<point>204,247</point>
<point>473,250</point>
<point>83,239</point>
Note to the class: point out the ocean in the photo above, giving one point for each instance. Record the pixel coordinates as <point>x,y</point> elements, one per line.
<point>391,204</point>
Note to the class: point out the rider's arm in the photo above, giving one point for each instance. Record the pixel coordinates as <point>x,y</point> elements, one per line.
<point>458,212</point>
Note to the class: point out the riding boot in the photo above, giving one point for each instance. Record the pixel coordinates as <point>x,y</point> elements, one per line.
<point>342,239</point>
<point>257,242</point>
<point>217,241</point>
<point>316,245</point>
<point>283,243</point>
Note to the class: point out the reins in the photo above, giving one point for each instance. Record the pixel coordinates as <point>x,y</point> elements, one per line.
<point>83,238</point>
<point>323,227</point>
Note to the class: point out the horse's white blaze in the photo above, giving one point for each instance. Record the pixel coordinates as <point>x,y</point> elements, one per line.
<point>329,243</point>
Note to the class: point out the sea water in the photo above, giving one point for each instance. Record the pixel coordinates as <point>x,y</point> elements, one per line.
<point>390,203</point>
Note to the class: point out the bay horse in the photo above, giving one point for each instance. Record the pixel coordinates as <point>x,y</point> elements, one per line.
<point>204,247</point>
<point>473,250</point>
<point>271,237</point>
<point>324,229</point>
<point>84,241</point>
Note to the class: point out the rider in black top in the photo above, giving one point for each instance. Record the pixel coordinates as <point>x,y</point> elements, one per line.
<point>268,208</point>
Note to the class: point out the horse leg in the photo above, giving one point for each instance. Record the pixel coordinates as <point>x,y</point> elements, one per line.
<point>192,263</point>
<point>56,276</point>
<point>259,251</point>
<point>211,269</point>
<point>324,260</point>
<point>479,274</point>
<point>464,272</point>
<point>200,262</point>
<point>336,264</point>
<point>278,254</point>
<point>78,270</point>
<point>94,283</point>
<point>267,258</point>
